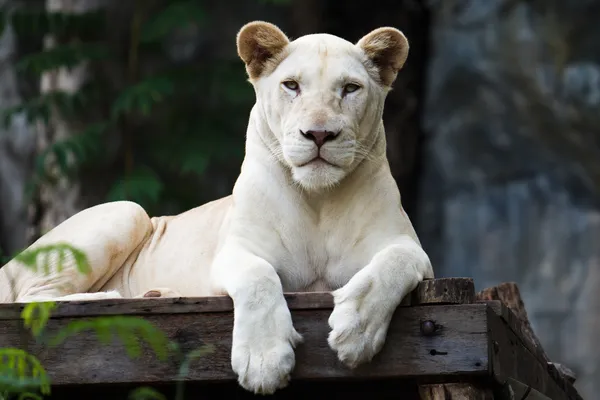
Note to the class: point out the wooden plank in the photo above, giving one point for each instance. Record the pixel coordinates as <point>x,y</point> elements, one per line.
<point>455,391</point>
<point>510,358</point>
<point>175,305</point>
<point>444,291</point>
<point>561,379</point>
<point>457,348</point>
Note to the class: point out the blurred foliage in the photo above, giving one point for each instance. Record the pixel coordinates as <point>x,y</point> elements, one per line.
<point>53,256</point>
<point>173,120</point>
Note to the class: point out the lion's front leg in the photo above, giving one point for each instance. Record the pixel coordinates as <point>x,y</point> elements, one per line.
<point>264,337</point>
<point>365,305</point>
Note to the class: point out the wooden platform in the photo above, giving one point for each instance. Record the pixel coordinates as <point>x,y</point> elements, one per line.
<point>441,343</point>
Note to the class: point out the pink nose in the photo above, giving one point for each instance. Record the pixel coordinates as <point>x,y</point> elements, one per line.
<point>319,137</point>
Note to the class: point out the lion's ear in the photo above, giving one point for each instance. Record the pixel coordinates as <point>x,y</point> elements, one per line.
<point>387,48</point>
<point>258,44</point>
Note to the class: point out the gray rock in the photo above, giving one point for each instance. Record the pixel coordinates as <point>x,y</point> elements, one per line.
<point>511,190</point>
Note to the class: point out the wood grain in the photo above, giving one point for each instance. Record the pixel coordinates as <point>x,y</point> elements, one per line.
<point>444,291</point>
<point>508,293</point>
<point>455,391</point>
<point>458,348</point>
<point>510,358</point>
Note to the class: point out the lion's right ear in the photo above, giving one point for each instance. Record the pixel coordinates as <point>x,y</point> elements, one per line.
<point>387,48</point>
<point>259,44</point>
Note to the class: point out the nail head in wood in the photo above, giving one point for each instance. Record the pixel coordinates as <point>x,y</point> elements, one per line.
<point>428,328</point>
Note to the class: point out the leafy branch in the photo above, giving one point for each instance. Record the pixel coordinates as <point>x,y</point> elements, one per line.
<point>63,56</point>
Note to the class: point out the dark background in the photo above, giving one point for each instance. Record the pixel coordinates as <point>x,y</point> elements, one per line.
<point>493,129</point>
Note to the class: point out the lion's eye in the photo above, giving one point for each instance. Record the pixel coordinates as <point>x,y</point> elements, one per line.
<point>350,88</point>
<point>292,85</point>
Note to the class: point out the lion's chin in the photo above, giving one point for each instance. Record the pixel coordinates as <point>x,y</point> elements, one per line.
<point>318,175</point>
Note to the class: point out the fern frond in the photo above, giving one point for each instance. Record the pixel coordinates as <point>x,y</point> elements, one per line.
<point>142,96</point>
<point>31,22</point>
<point>68,56</point>
<point>128,329</point>
<point>181,153</point>
<point>177,14</point>
<point>21,371</point>
<point>54,255</point>
<point>142,185</point>
<point>68,105</point>
<point>36,315</point>
<point>29,396</point>
<point>74,151</point>
<point>185,367</point>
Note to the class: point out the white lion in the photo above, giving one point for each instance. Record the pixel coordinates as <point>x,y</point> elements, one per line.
<point>315,208</point>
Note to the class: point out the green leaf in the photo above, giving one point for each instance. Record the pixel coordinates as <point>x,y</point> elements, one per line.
<point>70,153</point>
<point>142,96</point>
<point>68,55</point>
<point>30,396</point>
<point>54,255</point>
<point>36,315</point>
<point>68,105</point>
<point>146,393</point>
<point>142,185</point>
<point>21,371</point>
<point>184,368</point>
<point>177,14</point>
<point>34,23</point>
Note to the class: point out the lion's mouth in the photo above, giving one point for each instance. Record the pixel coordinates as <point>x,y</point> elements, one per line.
<point>318,160</point>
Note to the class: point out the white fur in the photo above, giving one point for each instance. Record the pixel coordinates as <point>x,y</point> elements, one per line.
<point>286,227</point>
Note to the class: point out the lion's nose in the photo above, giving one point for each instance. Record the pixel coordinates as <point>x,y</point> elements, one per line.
<point>319,137</point>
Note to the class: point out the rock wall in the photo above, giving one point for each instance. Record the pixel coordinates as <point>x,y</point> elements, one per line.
<point>511,187</point>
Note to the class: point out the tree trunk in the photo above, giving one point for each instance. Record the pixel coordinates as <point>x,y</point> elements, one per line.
<point>17,147</point>
<point>62,199</point>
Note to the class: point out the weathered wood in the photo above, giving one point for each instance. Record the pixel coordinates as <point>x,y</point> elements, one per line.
<point>516,327</point>
<point>458,347</point>
<point>176,305</point>
<point>510,358</point>
<point>565,371</point>
<point>444,340</point>
<point>447,291</point>
<point>518,391</point>
<point>513,311</point>
<point>444,291</point>
<point>455,391</point>
<point>508,293</point>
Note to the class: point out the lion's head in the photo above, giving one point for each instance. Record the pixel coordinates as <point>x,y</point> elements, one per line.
<point>321,97</point>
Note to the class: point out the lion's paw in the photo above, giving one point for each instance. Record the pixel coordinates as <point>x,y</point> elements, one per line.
<point>359,324</point>
<point>263,352</point>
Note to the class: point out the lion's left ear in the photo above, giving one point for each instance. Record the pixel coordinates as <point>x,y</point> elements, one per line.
<point>387,48</point>
<point>258,44</point>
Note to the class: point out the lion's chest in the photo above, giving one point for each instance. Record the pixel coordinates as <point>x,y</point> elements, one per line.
<point>320,265</point>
